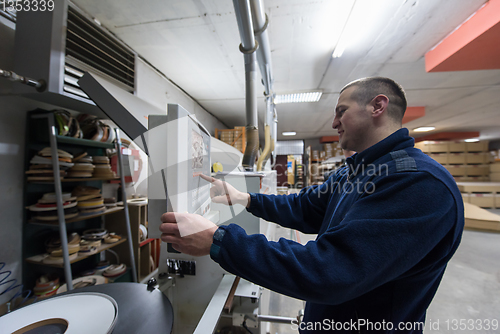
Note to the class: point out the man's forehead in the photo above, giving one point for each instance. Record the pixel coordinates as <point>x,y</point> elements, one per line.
<point>345,95</point>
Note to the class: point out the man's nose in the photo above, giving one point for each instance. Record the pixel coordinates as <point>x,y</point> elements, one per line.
<point>335,123</point>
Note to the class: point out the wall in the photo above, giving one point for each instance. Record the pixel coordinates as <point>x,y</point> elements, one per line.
<point>152,87</point>
<point>157,90</point>
<point>314,143</point>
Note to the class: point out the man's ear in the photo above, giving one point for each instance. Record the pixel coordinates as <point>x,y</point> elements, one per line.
<point>379,105</point>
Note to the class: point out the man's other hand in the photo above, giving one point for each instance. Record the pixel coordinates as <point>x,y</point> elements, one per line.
<point>188,233</point>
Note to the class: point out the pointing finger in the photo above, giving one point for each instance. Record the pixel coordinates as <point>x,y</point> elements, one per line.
<point>208,178</point>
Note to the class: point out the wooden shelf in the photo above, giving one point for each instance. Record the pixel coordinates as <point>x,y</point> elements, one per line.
<point>83,142</point>
<point>38,259</point>
<point>79,179</point>
<point>145,242</point>
<point>76,219</point>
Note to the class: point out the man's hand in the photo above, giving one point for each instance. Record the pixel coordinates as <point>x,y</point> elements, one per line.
<point>224,193</point>
<point>188,233</point>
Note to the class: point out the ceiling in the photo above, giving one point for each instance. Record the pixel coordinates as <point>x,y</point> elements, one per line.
<point>195,44</point>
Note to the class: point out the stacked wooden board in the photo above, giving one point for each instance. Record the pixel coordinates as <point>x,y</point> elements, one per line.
<point>480,219</point>
<point>464,161</point>
<point>235,137</point>
<point>482,194</point>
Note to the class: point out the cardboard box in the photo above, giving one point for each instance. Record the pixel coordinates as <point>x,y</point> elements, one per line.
<point>422,145</point>
<point>465,197</point>
<point>472,178</point>
<point>455,146</point>
<point>330,146</point>
<point>456,170</point>
<point>477,170</point>
<point>438,147</point>
<point>456,158</point>
<point>477,218</point>
<point>481,146</point>
<point>495,167</point>
<point>482,200</point>
<point>495,177</point>
<point>479,187</point>
<point>441,158</point>
<point>290,169</point>
<point>477,158</point>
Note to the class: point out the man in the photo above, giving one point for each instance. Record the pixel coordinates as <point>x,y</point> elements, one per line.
<point>387,225</point>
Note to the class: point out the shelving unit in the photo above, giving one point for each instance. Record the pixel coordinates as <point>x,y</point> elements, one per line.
<point>77,180</point>
<point>142,249</point>
<point>77,219</point>
<point>37,259</point>
<point>299,177</point>
<point>40,132</point>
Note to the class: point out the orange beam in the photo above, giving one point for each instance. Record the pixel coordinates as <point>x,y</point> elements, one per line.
<point>328,139</point>
<point>448,136</point>
<point>473,46</point>
<point>412,113</point>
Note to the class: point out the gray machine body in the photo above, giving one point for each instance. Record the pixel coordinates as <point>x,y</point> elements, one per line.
<point>179,151</point>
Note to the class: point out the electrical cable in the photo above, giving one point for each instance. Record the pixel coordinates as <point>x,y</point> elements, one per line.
<point>244,324</point>
<point>115,254</point>
<point>12,286</point>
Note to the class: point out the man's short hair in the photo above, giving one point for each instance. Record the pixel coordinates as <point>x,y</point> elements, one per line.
<point>368,88</point>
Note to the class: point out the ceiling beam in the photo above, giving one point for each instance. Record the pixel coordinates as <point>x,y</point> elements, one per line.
<point>412,113</point>
<point>473,46</point>
<point>448,136</point>
<point>328,139</point>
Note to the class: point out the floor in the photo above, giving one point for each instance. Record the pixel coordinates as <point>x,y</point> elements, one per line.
<point>470,290</point>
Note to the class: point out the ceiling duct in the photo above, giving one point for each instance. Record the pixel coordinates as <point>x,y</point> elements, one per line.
<point>59,46</point>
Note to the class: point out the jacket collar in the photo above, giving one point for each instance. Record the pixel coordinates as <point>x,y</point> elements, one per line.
<point>396,141</point>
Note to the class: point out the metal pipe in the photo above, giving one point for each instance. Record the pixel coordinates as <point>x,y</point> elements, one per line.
<point>248,47</point>
<point>268,147</point>
<point>60,209</point>
<point>276,319</point>
<point>125,205</point>
<point>260,24</point>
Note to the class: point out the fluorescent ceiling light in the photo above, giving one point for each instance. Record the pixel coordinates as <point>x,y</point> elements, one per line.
<point>359,21</point>
<point>290,133</point>
<point>298,97</point>
<point>424,129</point>
<point>472,140</point>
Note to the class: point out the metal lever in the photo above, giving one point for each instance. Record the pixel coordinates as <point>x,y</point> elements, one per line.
<point>40,85</point>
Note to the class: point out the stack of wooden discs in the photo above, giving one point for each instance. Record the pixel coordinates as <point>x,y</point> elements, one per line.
<point>41,168</point>
<point>53,246</point>
<point>46,208</point>
<point>83,166</point>
<point>81,170</point>
<point>110,202</point>
<point>89,246</point>
<point>90,201</point>
<point>46,286</point>
<point>102,167</point>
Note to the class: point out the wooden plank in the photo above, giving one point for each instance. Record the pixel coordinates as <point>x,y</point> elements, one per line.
<point>78,258</point>
<point>229,302</point>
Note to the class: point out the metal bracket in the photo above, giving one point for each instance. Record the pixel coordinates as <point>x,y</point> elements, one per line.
<point>251,50</point>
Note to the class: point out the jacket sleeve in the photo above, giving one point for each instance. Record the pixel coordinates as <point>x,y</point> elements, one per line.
<point>384,235</point>
<point>304,211</point>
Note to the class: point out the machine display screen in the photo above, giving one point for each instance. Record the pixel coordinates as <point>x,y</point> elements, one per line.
<point>200,164</point>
